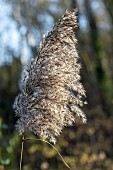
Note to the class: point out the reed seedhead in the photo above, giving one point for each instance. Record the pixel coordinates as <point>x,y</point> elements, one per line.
<point>51,94</point>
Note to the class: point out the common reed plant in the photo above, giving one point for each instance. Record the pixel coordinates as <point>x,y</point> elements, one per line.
<point>51,92</point>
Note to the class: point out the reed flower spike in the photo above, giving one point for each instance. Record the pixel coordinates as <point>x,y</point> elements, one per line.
<point>51,94</point>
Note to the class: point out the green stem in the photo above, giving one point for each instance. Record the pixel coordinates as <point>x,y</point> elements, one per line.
<point>22,145</point>
<point>53,148</point>
<point>21,154</point>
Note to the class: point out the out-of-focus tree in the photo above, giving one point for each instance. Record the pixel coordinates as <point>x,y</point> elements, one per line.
<point>8,90</point>
<point>109,9</point>
<point>102,73</point>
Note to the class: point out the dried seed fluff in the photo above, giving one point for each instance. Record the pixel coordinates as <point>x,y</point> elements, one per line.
<point>51,94</point>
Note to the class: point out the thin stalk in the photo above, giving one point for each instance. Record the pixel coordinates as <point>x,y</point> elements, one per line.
<point>52,147</point>
<point>21,154</point>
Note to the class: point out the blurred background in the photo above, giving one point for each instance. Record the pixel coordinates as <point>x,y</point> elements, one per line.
<point>22,25</point>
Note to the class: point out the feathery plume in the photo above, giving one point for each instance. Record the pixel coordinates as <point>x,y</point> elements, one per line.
<point>51,93</point>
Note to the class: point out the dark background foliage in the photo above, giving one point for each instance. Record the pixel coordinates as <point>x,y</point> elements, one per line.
<point>22,25</point>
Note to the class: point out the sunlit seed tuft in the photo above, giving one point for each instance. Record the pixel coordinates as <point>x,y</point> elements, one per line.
<point>51,93</point>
